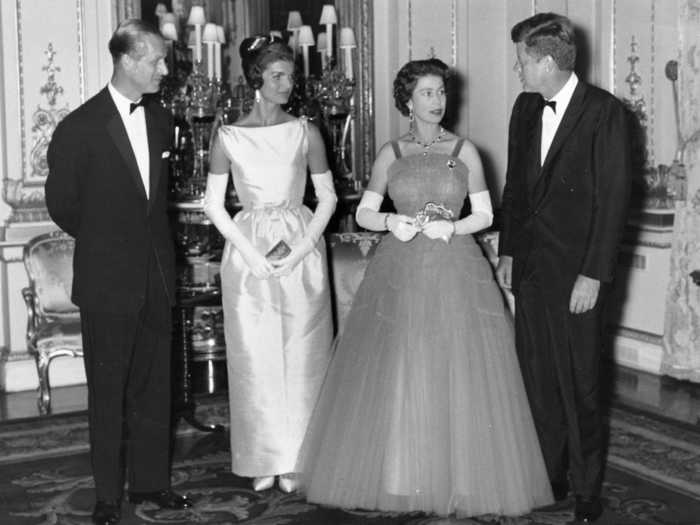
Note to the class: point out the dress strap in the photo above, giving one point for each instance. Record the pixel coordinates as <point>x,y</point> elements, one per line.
<point>458,147</point>
<point>395,147</point>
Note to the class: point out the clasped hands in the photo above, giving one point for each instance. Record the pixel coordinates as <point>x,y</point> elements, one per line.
<point>405,228</point>
<point>262,268</point>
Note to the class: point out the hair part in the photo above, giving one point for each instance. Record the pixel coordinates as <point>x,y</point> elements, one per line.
<point>128,38</point>
<point>258,52</point>
<point>407,78</point>
<point>548,34</point>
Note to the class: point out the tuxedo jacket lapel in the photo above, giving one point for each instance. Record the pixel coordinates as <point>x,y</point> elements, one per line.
<point>154,154</point>
<point>117,131</point>
<point>572,115</point>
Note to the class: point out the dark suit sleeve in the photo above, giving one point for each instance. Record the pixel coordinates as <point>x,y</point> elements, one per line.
<point>66,158</point>
<point>504,236</point>
<point>612,177</point>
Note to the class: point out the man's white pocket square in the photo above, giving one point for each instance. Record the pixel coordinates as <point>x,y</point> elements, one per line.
<point>165,155</point>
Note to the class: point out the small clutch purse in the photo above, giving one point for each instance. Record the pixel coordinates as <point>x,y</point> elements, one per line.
<point>278,251</point>
<point>433,212</point>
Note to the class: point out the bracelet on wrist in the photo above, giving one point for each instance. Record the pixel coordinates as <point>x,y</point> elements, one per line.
<point>386,222</point>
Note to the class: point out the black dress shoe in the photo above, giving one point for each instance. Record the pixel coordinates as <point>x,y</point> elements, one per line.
<point>106,513</point>
<point>165,499</point>
<point>560,490</point>
<point>588,509</point>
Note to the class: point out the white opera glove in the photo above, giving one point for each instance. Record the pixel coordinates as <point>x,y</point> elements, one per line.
<point>368,216</point>
<point>214,208</point>
<point>481,216</point>
<point>325,194</point>
<point>439,229</point>
<point>327,199</point>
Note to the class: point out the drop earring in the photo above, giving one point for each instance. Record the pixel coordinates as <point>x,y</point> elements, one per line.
<point>410,115</point>
<point>257,96</point>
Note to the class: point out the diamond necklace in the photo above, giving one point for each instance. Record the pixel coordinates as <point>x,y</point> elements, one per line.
<point>427,145</point>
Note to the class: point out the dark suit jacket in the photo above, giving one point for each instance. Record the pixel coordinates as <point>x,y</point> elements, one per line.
<point>566,218</point>
<point>95,193</point>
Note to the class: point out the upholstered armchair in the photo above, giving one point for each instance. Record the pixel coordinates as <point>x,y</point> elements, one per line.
<point>349,255</point>
<point>53,321</point>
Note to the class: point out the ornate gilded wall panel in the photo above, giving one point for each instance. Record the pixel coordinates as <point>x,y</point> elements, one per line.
<point>49,83</point>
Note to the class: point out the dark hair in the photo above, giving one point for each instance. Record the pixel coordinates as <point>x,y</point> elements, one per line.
<point>127,37</point>
<point>548,34</point>
<point>407,78</point>
<point>258,52</point>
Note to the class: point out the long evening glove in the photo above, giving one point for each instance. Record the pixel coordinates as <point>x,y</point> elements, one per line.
<point>368,216</point>
<point>214,208</point>
<point>327,199</point>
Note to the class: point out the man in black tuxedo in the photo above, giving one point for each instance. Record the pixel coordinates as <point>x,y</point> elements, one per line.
<point>107,184</point>
<point>564,207</point>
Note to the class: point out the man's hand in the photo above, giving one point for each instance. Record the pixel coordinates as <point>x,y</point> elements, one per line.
<point>584,295</point>
<point>504,271</point>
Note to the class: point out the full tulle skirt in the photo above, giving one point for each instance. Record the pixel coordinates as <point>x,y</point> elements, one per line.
<point>423,407</point>
<point>278,340</point>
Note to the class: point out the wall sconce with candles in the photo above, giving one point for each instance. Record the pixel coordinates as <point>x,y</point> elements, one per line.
<point>329,95</point>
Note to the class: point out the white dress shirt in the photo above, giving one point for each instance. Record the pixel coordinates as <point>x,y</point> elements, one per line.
<point>135,124</point>
<point>552,119</point>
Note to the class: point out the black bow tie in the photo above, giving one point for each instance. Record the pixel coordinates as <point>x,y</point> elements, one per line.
<point>551,103</point>
<point>134,105</point>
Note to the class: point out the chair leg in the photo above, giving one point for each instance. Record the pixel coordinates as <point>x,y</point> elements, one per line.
<point>44,401</point>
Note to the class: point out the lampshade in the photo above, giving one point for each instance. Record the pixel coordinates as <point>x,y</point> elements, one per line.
<point>276,34</point>
<point>209,33</point>
<point>169,31</point>
<point>294,20</point>
<point>347,38</point>
<point>197,17</point>
<point>168,17</point>
<point>321,42</point>
<point>328,15</point>
<point>220,35</point>
<point>306,36</point>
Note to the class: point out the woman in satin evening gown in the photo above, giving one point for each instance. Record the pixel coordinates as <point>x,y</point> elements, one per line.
<point>423,407</point>
<point>277,312</point>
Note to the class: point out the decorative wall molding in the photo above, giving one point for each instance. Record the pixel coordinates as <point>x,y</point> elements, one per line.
<point>24,192</point>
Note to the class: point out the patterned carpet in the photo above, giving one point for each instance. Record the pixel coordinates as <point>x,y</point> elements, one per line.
<point>653,477</point>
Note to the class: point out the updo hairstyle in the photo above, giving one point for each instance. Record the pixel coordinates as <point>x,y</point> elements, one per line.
<point>407,78</point>
<point>258,52</point>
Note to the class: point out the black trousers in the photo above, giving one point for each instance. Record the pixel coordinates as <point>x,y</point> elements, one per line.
<point>127,365</point>
<point>559,356</point>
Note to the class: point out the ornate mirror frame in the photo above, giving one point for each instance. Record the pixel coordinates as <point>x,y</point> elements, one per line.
<point>359,15</point>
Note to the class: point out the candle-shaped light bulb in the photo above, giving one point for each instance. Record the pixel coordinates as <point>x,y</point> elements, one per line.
<point>220,39</point>
<point>321,48</point>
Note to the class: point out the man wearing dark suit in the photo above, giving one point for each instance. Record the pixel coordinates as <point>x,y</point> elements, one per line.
<point>106,187</point>
<point>564,208</point>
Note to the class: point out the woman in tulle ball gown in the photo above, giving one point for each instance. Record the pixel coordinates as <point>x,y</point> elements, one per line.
<point>423,407</point>
<point>274,274</point>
